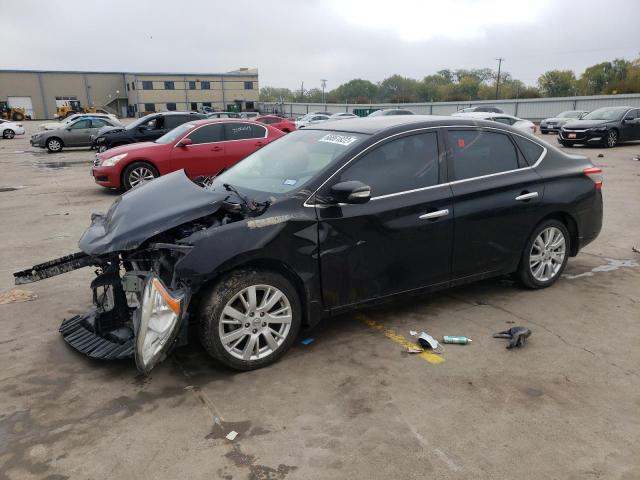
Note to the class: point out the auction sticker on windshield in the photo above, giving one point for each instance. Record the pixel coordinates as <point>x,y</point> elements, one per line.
<point>339,139</point>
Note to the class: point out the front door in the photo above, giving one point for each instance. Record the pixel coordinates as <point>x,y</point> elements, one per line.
<point>631,126</point>
<point>206,154</point>
<point>151,130</point>
<point>401,239</point>
<point>79,133</point>
<point>496,197</point>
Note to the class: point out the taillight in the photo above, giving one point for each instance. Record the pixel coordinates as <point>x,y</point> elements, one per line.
<point>595,174</point>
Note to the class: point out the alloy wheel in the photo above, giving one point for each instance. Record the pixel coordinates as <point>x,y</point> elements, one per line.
<point>255,322</point>
<point>547,254</point>
<point>54,145</point>
<point>9,134</point>
<point>102,148</point>
<point>612,138</point>
<point>140,175</point>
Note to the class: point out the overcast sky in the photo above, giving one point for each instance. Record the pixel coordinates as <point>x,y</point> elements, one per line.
<point>291,41</point>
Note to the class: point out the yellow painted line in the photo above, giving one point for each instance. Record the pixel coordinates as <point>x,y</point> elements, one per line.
<point>399,339</point>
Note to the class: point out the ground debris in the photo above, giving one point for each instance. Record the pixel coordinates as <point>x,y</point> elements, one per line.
<point>635,249</point>
<point>17,296</point>
<point>517,336</point>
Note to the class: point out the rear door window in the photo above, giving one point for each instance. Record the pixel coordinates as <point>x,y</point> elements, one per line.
<point>403,164</point>
<point>85,123</point>
<point>475,153</point>
<point>207,134</point>
<point>173,121</point>
<point>243,131</point>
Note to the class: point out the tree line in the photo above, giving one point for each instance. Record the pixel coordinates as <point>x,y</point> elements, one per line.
<point>617,76</point>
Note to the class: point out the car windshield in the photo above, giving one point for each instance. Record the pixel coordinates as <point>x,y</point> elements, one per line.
<point>570,114</point>
<point>137,123</point>
<point>606,114</point>
<point>174,134</point>
<point>288,163</point>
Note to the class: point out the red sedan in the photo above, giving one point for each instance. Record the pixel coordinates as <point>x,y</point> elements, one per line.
<point>202,147</point>
<point>280,123</point>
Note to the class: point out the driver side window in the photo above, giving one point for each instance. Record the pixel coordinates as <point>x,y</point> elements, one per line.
<point>403,164</point>
<point>86,123</point>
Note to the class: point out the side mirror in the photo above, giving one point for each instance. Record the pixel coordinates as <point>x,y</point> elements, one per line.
<point>185,142</point>
<point>351,191</point>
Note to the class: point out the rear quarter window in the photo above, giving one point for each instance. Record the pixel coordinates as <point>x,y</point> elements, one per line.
<point>530,150</point>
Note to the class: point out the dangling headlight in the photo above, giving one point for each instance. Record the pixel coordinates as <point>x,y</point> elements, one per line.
<point>157,322</point>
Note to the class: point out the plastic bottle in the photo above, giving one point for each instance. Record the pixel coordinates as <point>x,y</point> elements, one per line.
<point>455,339</point>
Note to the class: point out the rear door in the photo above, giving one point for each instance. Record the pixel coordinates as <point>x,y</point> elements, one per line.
<point>241,139</point>
<point>205,156</point>
<point>401,239</point>
<point>496,197</point>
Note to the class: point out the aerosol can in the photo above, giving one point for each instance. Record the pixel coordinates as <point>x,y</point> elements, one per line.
<point>455,339</point>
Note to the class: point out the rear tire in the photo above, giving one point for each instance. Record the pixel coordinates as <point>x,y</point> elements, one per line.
<point>8,133</point>
<point>137,174</point>
<point>545,255</point>
<point>254,335</point>
<point>54,145</point>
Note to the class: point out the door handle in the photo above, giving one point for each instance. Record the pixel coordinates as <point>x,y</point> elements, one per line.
<point>216,149</point>
<point>434,215</point>
<point>527,196</point>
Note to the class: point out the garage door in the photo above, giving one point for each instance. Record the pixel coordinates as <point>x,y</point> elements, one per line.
<point>21,102</point>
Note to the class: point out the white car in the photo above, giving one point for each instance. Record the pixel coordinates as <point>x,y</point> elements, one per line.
<point>10,129</point>
<point>515,122</point>
<point>250,115</point>
<point>342,116</point>
<point>75,116</point>
<point>311,119</point>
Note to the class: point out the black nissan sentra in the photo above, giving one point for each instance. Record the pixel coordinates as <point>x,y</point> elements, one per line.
<point>325,220</point>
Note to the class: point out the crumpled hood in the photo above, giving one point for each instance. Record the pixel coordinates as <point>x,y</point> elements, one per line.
<point>107,129</point>
<point>579,124</point>
<point>148,210</point>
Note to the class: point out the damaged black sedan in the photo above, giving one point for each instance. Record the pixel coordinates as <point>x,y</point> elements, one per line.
<point>321,221</point>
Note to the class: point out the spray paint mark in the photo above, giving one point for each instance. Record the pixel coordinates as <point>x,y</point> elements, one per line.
<point>611,266</point>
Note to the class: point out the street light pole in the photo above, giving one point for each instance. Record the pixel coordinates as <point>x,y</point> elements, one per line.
<point>323,82</point>
<point>498,80</point>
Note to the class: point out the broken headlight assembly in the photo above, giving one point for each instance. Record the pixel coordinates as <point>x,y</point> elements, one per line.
<point>157,321</point>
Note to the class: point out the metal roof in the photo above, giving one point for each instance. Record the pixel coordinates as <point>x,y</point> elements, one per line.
<point>234,73</point>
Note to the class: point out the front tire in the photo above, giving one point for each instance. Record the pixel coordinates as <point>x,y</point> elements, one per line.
<point>545,256</point>
<point>137,174</point>
<point>8,133</point>
<point>54,145</point>
<point>612,138</point>
<point>250,318</point>
<point>102,148</point>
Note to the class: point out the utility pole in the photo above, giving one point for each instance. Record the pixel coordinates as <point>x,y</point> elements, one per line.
<point>302,92</point>
<point>498,80</point>
<point>323,82</point>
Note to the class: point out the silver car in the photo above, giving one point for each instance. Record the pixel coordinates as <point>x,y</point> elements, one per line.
<point>76,133</point>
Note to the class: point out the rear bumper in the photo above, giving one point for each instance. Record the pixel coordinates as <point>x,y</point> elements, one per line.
<point>590,222</point>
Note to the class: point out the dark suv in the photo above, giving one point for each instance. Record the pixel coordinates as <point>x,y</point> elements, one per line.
<point>145,129</point>
<point>605,127</point>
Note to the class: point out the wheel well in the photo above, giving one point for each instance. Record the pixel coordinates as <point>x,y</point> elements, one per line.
<point>56,138</point>
<point>571,225</point>
<point>273,266</point>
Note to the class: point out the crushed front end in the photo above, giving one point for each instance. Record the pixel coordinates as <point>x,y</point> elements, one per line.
<point>139,305</point>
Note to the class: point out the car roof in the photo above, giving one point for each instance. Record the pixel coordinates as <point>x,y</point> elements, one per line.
<point>206,121</point>
<point>373,125</point>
